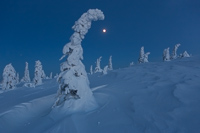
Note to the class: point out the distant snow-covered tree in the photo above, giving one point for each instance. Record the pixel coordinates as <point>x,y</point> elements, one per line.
<point>105,70</point>
<point>174,54</point>
<point>17,78</point>
<point>9,77</point>
<point>73,80</point>
<point>166,56</point>
<point>51,75</point>
<point>146,55</point>
<point>26,77</point>
<point>98,65</point>
<point>43,75</point>
<point>38,73</point>
<point>143,57</point>
<point>185,54</point>
<point>91,70</point>
<point>110,67</point>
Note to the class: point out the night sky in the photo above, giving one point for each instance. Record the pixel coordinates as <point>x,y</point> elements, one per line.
<point>33,30</point>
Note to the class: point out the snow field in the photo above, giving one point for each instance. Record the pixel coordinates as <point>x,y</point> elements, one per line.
<point>151,97</point>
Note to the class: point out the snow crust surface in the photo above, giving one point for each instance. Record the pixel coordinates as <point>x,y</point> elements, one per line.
<point>161,97</point>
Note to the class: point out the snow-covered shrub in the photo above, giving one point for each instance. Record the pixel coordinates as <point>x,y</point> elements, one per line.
<point>91,69</point>
<point>166,56</point>
<point>98,65</point>
<point>9,77</point>
<point>143,57</point>
<point>110,67</point>
<point>105,70</point>
<point>38,73</point>
<point>131,64</point>
<point>26,77</point>
<point>29,84</point>
<point>174,54</point>
<point>73,80</point>
<point>185,54</point>
<point>56,76</point>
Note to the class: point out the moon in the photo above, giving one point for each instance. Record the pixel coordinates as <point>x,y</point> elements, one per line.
<point>104,30</point>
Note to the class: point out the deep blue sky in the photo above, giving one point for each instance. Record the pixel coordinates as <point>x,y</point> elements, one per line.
<point>33,30</point>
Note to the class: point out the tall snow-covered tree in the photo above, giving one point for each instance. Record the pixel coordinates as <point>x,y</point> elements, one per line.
<point>38,73</point>
<point>26,77</point>
<point>166,56</point>
<point>91,69</point>
<point>105,70</point>
<point>73,80</point>
<point>110,67</point>
<point>9,77</point>
<point>174,54</point>
<point>98,65</point>
<point>143,57</point>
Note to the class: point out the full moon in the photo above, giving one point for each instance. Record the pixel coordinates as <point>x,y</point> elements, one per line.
<point>104,30</point>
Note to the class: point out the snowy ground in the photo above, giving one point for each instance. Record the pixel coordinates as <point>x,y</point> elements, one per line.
<point>162,97</point>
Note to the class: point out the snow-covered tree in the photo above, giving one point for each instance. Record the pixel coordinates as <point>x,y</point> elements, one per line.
<point>26,77</point>
<point>38,73</point>
<point>98,65</point>
<point>166,56</point>
<point>43,75</point>
<point>91,69</point>
<point>9,77</point>
<point>17,78</point>
<point>174,54</point>
<point>73,80</point>
<point>110,67</point>
<point>146,57</point>
<point>105,70</point>
<point>51,75</point>
<point>143,57</point>
<point>185,54</point>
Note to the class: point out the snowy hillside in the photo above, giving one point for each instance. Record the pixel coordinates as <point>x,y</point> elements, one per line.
<point>145,98</point>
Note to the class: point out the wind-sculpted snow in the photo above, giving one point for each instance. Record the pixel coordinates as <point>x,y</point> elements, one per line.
<point>158,97</point>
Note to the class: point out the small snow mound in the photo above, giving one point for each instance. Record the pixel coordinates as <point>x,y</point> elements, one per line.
<point>29,85</point>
